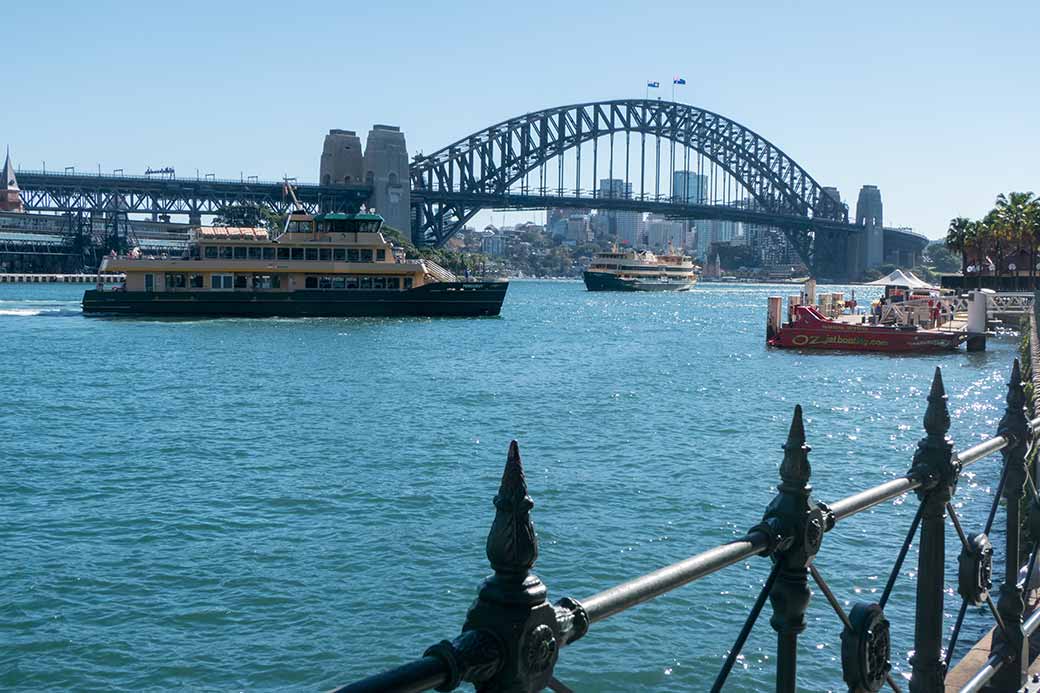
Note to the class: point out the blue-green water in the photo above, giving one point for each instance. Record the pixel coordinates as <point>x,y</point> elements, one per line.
<point>292,504</point>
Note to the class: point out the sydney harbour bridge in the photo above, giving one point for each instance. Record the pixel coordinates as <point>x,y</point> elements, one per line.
<point>662,157</point>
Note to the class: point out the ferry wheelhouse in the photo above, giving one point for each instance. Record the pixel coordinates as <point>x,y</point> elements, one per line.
<point>632,270</point>
<point>328,265</point>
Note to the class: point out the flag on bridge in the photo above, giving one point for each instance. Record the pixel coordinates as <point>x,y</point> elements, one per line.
<point>679,80</point>
<point>653,85</point>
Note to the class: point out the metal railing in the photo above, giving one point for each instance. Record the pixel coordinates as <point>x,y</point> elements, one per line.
<point>512,636</point>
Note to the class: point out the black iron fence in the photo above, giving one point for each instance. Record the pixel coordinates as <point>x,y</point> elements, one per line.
<point>512,636</point>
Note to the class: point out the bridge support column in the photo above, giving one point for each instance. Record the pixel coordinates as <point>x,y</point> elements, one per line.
<point>830,253</point>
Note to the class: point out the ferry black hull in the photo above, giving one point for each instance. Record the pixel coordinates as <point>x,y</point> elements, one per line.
<point>602,281</point>
<point>445,299</point>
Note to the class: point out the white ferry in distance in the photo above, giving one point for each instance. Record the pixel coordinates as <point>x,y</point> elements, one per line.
<point>640,270</point>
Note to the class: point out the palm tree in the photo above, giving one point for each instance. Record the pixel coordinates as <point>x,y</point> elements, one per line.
<point>957,239</point>
<point>1011,218</point>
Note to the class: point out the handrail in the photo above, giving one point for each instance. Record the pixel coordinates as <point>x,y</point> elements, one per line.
<point>512,636</point>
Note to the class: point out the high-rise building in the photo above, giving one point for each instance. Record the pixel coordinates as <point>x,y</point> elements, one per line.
<point>689,187</point>
<point>662,232</point>
<point>622,224</point>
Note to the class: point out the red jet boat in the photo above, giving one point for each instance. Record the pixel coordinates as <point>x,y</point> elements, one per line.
<point>811,329</point>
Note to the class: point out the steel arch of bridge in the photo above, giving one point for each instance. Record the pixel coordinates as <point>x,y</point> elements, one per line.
<point>454,183</point>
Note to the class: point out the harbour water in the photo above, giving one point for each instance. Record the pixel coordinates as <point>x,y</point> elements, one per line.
<point>294,504</point>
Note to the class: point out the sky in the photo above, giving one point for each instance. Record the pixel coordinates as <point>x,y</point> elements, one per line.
<point>936,103</point>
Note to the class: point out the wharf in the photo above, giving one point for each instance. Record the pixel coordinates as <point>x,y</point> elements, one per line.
<point>975,659</point>
<point>12,278</point>
<point>959,322</point>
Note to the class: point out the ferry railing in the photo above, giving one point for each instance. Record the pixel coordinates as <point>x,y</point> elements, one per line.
<point>512,636</point>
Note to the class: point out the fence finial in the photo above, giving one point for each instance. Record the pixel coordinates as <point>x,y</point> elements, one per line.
<point>512,546</point>
<point>795,470</point>
<point>511,606</point>
<point>937,415</point>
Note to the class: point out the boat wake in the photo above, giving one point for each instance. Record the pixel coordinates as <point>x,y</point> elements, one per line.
<point>55,311</point>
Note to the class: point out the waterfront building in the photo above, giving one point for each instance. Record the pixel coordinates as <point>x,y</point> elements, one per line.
<point>661,231</point>
<point>493,244</point>
<point>578,228</point>
<point>11,198</point>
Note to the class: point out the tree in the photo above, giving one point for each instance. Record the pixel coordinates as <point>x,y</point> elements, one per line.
<point>957,239</point>
<point>1012,218</point>
<point>238,215</point>
<point>942,259</point>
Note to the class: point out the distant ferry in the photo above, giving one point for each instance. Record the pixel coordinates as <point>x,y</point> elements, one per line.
<point>632,270</point>
<point>330,265</point>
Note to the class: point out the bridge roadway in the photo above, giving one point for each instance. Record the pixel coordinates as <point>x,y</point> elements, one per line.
<point>60,192</point>
<point>195,197</point>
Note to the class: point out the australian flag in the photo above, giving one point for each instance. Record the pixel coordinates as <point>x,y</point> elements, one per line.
<point>679,80</point>
<point>653,85</point>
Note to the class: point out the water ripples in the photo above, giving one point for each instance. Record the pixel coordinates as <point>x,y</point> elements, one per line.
<point>268,504</point>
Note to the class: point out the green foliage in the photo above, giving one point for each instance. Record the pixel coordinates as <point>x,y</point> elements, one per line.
<point>238,215</point>
<point>939,256</point>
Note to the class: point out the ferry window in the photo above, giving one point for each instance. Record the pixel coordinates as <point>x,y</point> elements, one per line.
<point>312,253</point>
<point>352,255</point>
<point>407,282</point>
<point>366,282</point>
<point>380,254</point>
<point>321,226</point>
<point>220,281</point>
<point>283,253</point>
<point>378,283</point>
<point>149,282</point>
<point>211,252</point>
<point>366,255</point>
<point>254,253</point>
<point>325,283</point>
<point>226,252</point>
<point>240,252</point>
<point>339,283</point>
<point>175,281</point>
<point>324,254</point>
<point>297,253</point>
<point>339,254</point>
<point>369,226</point>
<point>268,253</point>
<point>265,281</point>
<point>352,282</point>
<point>392,283</point>
<point>301,226</point>
<point>311,283</point>
<point>196,281</point>
<point>241,281</point>
<point>276,281</point>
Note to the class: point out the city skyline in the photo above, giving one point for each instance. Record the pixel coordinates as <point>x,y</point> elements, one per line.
<point>892,99</point>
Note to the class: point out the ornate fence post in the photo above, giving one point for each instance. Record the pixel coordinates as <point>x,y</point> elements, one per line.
<point>511,621</point>
<point>799,522</point>
<point>933,465</point>
<point>1015,428</point>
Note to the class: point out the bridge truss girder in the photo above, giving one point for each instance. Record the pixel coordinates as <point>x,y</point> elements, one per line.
<point>103,194</point>
<point>492,161</point>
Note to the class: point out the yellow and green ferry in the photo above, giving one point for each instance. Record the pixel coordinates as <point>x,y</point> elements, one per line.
<point>326,265</point>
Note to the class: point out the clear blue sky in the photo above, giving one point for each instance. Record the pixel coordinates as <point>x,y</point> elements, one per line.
<point>935,102</point>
